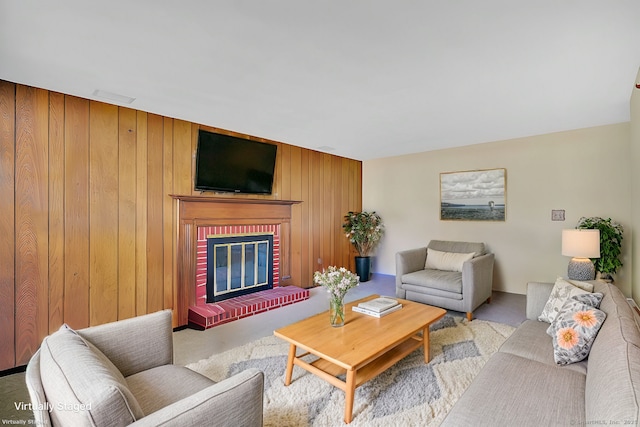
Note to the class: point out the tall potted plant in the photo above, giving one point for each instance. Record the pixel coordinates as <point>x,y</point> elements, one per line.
<point>364,230</point>
<point>610,245</point>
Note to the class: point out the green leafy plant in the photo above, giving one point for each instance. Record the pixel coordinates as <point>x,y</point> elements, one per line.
<point>364,230</point>
<point>610,243</point>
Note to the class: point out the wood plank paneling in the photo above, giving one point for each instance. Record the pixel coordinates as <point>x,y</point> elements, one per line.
<point>316,198</point>
<point>7,224</point>
<point>284,171</point>
<point>167,218</point>
<point>127,138</point>
<point>141,213</point>
<point>337,237</point>
<point>31,221</point>
<point>345,205</point>
<point>56,210</point>
<point>328,230</point>
<point>76,213</point>
<point>155,195</point>
<point>184,144</point>
<point>306,231</point>
<point>91,231</point>
<point>296,217</point>
<point>103,213</point>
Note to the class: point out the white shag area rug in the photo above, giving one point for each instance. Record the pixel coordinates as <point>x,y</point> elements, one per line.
<point>410,393</point>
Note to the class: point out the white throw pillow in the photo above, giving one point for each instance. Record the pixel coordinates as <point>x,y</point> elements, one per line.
<point>586,286</point>
<point>448,261</point>
<point>561,292</point>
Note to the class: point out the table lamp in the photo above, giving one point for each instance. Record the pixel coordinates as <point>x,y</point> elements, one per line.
<point>581,244</point>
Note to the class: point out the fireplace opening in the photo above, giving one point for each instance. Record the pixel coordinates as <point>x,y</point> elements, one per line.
<point>238,265</point>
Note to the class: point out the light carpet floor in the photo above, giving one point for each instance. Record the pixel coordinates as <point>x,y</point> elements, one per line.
<point>410,393</point>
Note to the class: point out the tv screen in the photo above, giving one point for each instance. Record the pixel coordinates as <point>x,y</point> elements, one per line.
<point>230,164</point>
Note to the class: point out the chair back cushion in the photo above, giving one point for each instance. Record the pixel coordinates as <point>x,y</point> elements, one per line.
<point>447,261</point>
<point>136,344</point>
<point>82,386</point>
<point>459,247</point>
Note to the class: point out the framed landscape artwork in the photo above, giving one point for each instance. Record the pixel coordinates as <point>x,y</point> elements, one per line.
<point>473,195</point>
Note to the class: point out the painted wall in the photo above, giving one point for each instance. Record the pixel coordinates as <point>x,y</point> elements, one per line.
<point>586,172</point>
<point>635,186</point>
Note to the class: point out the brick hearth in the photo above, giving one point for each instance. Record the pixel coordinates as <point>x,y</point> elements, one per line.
<point>214,314</point>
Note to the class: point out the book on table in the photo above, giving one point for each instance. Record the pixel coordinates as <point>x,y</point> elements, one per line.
<point>372,313</point>
<point>379,305</point>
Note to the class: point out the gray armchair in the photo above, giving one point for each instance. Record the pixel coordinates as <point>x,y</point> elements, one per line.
<point>463,284</point>
<point>122,373</point>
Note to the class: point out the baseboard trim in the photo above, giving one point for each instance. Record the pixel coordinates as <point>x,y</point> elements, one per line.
<point>16,370</point>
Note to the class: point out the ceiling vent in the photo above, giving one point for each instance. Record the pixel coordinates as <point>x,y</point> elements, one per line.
<point>121,99</point>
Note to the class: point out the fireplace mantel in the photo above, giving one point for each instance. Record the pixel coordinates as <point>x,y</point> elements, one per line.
<point>201,211</point>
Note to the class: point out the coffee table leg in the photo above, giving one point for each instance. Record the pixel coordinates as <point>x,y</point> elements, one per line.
<point>292,355</point>
<point>350,392</point>
<point>425,343</point>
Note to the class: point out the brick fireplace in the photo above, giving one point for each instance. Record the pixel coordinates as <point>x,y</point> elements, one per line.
<point>205,234</point>
<point>202,217</point>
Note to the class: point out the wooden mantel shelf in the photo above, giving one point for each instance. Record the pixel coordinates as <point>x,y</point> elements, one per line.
<point>234,200</point>
<point>199,211</point>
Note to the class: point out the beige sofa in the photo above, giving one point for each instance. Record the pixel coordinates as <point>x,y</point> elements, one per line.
<point>521,385</point>
<point>122,373</point>
<point>459,278</point>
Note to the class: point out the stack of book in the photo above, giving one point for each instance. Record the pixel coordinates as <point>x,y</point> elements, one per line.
<point>378,307</point>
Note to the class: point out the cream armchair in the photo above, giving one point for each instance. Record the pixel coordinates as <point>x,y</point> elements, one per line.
<point>452,275</point>
<point>122,373</point>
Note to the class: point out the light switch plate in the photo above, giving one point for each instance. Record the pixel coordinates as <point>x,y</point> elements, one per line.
<point>557,215</point>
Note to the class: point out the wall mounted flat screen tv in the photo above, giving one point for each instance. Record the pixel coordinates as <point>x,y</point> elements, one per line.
<point>229,164</point>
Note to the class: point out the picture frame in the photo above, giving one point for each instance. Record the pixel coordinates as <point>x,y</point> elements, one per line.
<point>476,195</point>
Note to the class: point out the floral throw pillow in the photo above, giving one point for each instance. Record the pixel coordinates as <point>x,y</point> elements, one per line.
<point>575,328</point>
<point>561,292</point>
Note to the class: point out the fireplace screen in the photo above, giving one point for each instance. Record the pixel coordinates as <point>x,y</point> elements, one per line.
<point>238,265</point>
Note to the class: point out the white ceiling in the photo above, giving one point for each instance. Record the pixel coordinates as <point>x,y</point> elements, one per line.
<point>361,79</point>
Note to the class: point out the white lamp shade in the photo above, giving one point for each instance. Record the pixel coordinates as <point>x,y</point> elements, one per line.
<point>581,243</point>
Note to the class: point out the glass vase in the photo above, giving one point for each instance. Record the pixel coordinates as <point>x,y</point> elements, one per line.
<point>336,311</point>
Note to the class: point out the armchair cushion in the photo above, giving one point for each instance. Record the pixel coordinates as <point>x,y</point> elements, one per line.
<point>235,401</point>
<point>449,281</point>
<point>158,387</point>
<point>82,386</point>
<point>448,261</point>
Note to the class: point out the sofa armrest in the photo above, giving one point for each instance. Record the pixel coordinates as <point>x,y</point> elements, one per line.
<point>236,401</point>
<point>136,344</point>
<point>537,295</point>
<point>36,391</point>
<point>407,262</point>
<point>479,272</point>
<point>410,260</point>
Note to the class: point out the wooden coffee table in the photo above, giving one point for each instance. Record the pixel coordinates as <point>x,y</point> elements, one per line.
<point>363,348</point>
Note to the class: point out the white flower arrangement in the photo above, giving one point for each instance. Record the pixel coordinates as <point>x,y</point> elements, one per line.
<point>338,281</point>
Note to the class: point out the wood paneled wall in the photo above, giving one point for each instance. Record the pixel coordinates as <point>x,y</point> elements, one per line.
<point>87,226</point>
